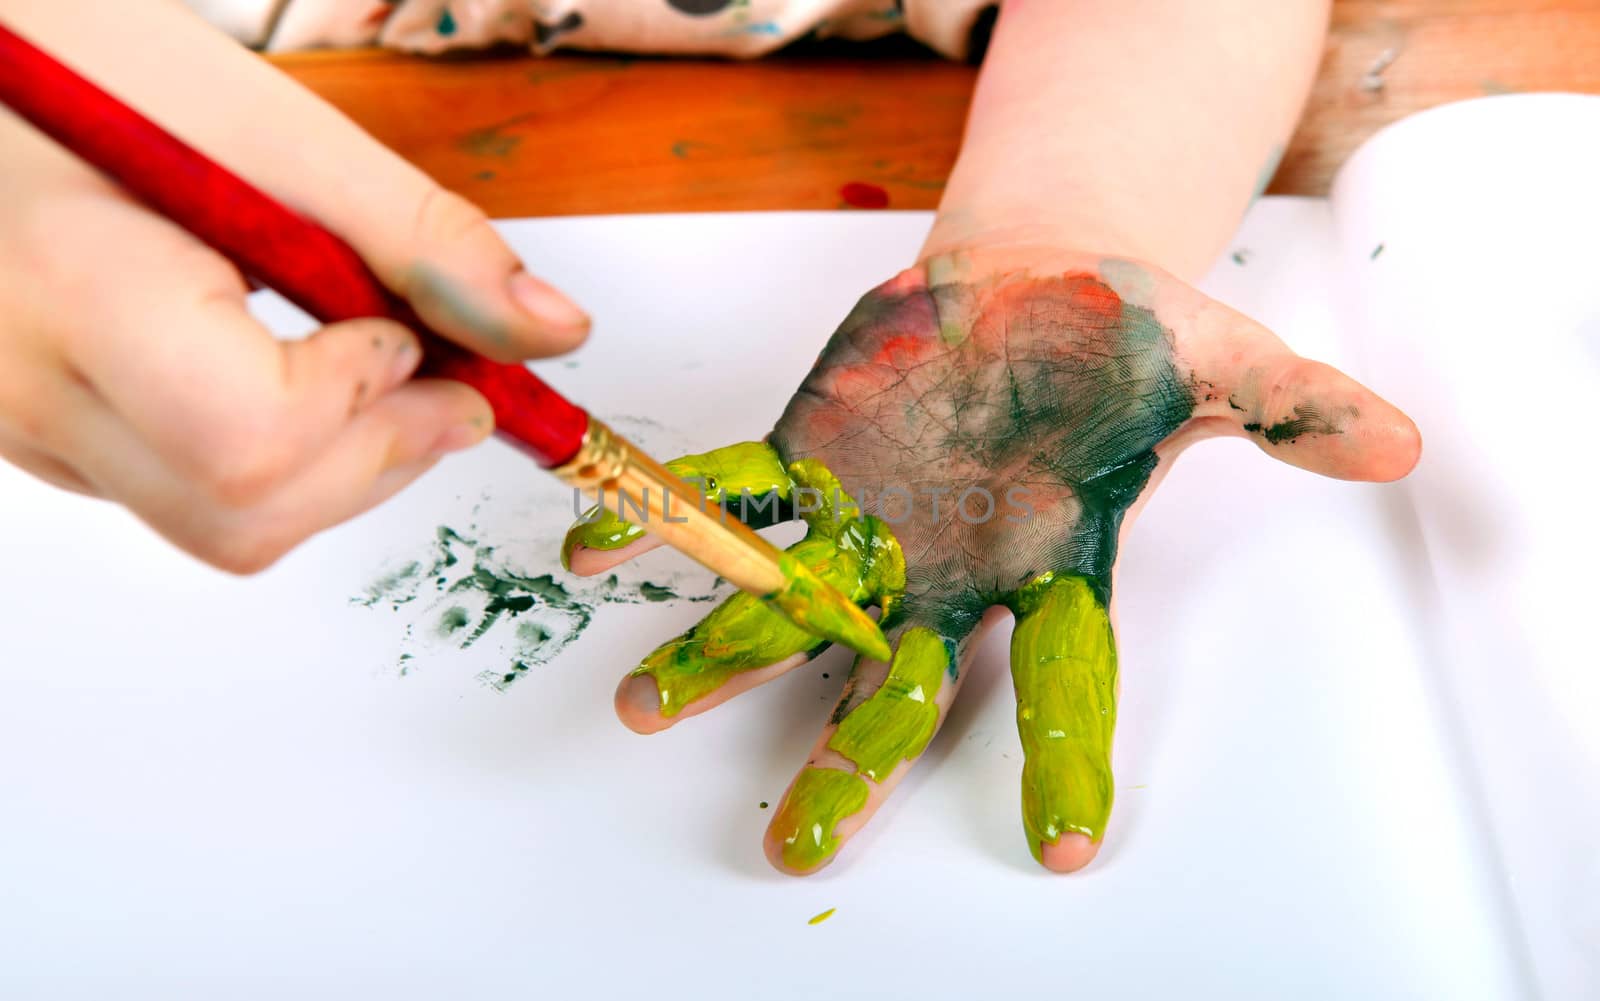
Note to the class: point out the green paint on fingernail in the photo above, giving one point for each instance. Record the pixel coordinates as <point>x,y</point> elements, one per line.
<point>806,820</point>
<point>1064,667</point>
<point>446,25</point>
<point>896,723</point>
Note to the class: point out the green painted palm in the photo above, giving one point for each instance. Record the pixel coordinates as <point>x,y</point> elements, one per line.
<point>975,435</point>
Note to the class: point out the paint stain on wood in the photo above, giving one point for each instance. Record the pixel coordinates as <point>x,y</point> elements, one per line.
<point>489,141</point>
<point>861,195</point>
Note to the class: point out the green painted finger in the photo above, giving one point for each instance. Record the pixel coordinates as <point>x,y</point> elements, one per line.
<point>1064,667</point>
<point>749,476</point>
<point>741,634</point>
<point>870,737</point>
<point>855,554</point>
<point>896,722</point>
<point>808,818</point>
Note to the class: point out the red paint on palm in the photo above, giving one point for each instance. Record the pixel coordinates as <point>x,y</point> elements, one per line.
<point>268,242</point>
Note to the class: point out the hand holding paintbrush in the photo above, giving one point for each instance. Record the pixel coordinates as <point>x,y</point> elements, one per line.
<point>318,271</point>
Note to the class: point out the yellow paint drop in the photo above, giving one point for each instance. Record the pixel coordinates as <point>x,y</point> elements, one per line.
<point>825,915</point>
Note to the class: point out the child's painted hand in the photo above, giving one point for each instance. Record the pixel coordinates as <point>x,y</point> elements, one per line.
<point>129,368</point>
<point>990,422</point>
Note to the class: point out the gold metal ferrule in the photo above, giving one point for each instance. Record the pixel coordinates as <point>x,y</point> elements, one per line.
<point>601,459</point>
<point>608,463</point>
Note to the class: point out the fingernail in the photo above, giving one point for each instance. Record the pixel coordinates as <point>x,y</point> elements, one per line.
<point>404,362</point>
<point>463,435</point>
<point>545,304</point>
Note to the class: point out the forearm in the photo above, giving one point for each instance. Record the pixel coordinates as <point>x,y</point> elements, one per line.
<point>1140,128</point>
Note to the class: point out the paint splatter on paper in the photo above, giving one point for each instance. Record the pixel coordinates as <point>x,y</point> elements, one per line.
<point>464,591</point>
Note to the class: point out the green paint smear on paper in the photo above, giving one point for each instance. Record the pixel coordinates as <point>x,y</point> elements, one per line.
<point>1064,667</point>
<point>806,820</point>
<point>896,723</point>
<point>479,591</point>
<point>453,620</point>
<point>857,555</point>
<point>392,587</point>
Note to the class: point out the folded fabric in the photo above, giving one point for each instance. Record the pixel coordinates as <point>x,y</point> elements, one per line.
<point>740,28</point>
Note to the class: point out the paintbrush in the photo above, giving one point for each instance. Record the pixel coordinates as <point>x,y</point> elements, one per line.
<point>324,276</point>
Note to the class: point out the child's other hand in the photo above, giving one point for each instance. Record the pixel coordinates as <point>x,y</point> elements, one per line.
<point>129,368</point>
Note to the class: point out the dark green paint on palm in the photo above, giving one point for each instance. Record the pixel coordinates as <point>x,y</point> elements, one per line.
<point>1084,422</point>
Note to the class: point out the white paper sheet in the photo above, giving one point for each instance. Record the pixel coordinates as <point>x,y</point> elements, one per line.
<point>1483,309</point>
<point>219,787</point>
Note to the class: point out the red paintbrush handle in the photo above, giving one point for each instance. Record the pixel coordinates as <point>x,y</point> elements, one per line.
<point>303,262</point>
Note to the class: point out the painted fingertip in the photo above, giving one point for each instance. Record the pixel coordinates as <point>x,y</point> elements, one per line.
<point>804,835</point>
<point>1069,853</point>
<point>638,704</point>
<point>585,559</point>
<point>599,531</point>
<point>773,849</point>
<point>560,316</point>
